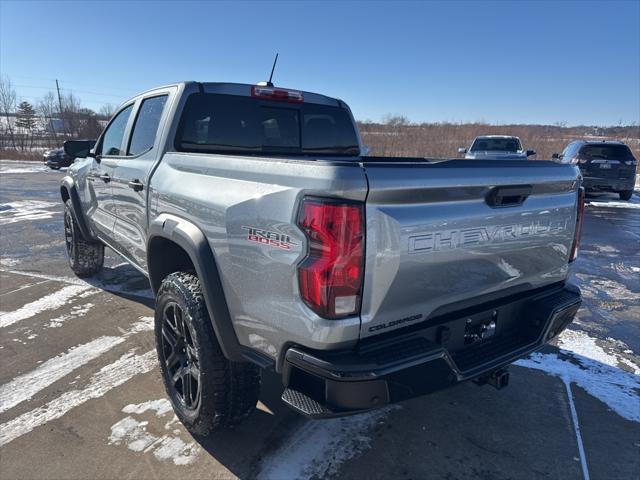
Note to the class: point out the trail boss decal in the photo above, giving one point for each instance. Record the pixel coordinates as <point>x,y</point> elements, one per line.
<point>266,237</point>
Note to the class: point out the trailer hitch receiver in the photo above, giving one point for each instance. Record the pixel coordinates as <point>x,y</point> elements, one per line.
<point>497,379</point>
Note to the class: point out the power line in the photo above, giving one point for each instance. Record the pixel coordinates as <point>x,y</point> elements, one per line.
<point>70,90</point>
<point>62,80</point>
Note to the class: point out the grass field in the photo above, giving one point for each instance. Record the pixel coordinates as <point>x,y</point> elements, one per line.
<point>398,138</point>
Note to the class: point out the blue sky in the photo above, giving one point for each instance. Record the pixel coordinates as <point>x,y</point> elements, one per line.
<point>499,62</point>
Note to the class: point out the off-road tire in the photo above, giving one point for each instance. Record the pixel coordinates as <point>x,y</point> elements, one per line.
<point>85,258</point>
<point>626,195</point>
<point>228,391</point>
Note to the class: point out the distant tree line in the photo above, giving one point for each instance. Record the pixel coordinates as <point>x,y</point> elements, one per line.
<point>27,129</point>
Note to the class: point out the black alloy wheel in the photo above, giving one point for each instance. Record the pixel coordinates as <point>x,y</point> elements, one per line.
<point>180,357</point>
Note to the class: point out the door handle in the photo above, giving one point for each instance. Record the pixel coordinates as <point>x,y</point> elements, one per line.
<point>105,178</point>
<point>136,185</point>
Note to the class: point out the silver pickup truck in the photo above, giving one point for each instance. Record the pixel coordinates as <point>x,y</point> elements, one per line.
<point>270,242</point>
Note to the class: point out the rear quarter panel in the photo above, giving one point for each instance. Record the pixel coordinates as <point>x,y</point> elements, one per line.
<point>225,196</point>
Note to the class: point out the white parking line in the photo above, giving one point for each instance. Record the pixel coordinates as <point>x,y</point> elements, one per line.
<point>29,285</point>
<point>108,378</point>
<point>25,386</point>
<point>114,288</point>
<point>48,302</point>
<point>576,427</point>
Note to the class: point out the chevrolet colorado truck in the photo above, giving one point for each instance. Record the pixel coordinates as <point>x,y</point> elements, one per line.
<point>270,242</point>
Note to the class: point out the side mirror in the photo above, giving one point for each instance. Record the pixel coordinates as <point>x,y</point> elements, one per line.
<point>78,148</point>
<point>530,152</point>
<point>364,151</point>
<point>555,156</point>
<point>462,150</point>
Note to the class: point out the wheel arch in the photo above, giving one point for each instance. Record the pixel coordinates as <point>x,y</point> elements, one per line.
<point>68,191</point>
<point>182,242</point>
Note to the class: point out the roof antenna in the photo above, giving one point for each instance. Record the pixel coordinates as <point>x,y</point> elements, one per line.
<point>269,83</point>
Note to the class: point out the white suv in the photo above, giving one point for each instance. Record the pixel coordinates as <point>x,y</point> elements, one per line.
<point>496,147</point>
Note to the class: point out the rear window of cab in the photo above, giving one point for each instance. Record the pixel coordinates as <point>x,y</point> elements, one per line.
<point>220,123</point>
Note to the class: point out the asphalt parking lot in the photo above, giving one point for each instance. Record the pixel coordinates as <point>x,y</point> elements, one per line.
<point>81,396</point>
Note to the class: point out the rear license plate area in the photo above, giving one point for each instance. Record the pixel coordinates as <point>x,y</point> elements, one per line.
<point>605,166</point>
<point>480,327</point>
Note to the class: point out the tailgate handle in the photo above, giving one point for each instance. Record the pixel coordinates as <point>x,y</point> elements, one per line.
<point>508,196</point>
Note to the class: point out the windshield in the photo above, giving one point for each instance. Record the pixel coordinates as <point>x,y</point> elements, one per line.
<point>231,123</point>
<point>496,145</point>
<point>619,152</point>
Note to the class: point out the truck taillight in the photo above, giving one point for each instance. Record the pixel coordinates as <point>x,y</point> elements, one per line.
<point>330,276</point>
<point>279,94</point>
<point>579,220</point>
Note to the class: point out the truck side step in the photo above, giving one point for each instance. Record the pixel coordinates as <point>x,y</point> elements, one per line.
<point>304,404</point>
<point>309,407</point>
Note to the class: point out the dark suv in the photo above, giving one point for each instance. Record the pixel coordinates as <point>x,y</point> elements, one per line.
<point>606,166</point>
<point>57,158</point>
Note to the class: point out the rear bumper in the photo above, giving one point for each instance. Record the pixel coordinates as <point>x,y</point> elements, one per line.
<point>595,184</point>
<point>402,366</point>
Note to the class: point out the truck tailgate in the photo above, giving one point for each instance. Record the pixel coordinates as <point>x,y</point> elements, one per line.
<point>443,234</point>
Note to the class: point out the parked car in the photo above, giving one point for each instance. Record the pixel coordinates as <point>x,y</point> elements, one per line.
<point>498,147</point>
<point>606,166</point>
<point>271,242</point>
<point>57,158</point>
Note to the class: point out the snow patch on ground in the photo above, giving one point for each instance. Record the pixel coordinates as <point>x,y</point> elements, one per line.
<point>318,448</point>
<point>76,311</point>
<point>16,166</point>
<point>604,288</point>
<point>612,204</point>
<point>49,302</point>
<point>25,386</point>
<point>10,262</point>
<point>26,210</point>
<point>135,434</point>
<point>588,365</point>
<point>109,377</point>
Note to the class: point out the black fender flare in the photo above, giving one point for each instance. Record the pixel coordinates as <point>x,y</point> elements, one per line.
<point>68,184</point>
<point>191,239</point>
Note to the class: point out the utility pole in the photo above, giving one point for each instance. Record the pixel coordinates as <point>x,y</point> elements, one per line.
<point>60,104</point>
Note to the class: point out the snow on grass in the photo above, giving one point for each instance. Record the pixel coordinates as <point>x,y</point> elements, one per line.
<point>26,210</point>
<point>318,448</point>
<point>583,362</point>
<point>135,435</point>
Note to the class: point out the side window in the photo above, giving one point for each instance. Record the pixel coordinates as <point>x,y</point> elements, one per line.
<point>146,126</point>
<point>112,138</point>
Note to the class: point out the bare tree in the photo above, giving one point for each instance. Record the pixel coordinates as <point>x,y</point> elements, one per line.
<point>107,110</point>
<point>47,108</point>
<point>71,114</point>
<point>8,104</point>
